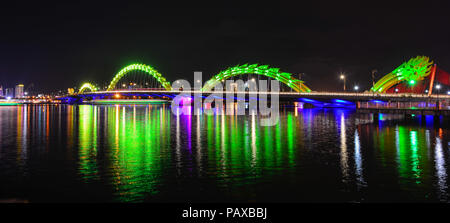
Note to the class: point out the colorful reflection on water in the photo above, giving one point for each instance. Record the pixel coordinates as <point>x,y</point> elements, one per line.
<point>133,153</point>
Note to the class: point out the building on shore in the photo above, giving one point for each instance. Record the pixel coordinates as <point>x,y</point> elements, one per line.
<point>9,93</point>
<point>19,91</point>
<point>70,91</point>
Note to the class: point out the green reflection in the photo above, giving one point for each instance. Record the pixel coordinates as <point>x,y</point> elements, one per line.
<point>137,136</point>
<point>291,136</point>
<point>88,141</point>
<point>135,144</point>
<point>241,147</point>
<point>139,161</point>
<point>412,154</point>
<point>384,143</point>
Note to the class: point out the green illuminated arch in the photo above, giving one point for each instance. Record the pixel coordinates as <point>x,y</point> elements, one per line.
<point>87,86</point>
<point>142,67</point>
<point>265,70</point>
<point>412,71</point>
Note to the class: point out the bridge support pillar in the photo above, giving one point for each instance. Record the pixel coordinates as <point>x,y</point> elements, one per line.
<point>409,116</point>
<point>423,119</point>
<point>438,105</point>
<point>436,120</point>
<point>376,117</point>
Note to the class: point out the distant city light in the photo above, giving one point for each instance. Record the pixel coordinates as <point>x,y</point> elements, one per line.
<point>396,90</point>
<point>117,95</point>
<point>356,88</point>
<point>448,92</point>
<point>8,98</point>
<point>342,76</point>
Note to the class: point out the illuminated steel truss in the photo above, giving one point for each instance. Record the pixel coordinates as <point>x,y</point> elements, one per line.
<point>86,86</point>
<point>265,70</point>
<point>412,71</point>
<point>141,67</point>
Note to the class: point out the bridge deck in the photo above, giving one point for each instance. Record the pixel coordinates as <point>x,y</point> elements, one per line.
<point>352,96</point>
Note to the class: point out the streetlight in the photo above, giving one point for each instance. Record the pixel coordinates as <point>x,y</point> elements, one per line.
<point>356,88</point>
<point>396,90</point>
<point>343,78</point>
<point>438,87</point>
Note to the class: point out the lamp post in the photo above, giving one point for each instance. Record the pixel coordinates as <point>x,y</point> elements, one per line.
<point>373,77</point>
<point>343,78</point>
<point>438,87</point>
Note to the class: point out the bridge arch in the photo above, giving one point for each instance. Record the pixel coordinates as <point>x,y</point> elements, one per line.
<point>86,86</point>
<point>264,70</point>
<point>141,67</point>
<point>411,72</point>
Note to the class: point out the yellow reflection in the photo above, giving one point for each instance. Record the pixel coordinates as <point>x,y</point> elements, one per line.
<point>19,133</point>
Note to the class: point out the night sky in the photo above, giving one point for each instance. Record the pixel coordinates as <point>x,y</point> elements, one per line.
<point>61,46</point>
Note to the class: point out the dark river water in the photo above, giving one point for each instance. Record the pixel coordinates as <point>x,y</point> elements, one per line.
<point>144,153</point>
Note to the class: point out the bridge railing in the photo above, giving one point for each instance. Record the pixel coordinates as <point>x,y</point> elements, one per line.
<point>436,105</point>
<point>313,93</point>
